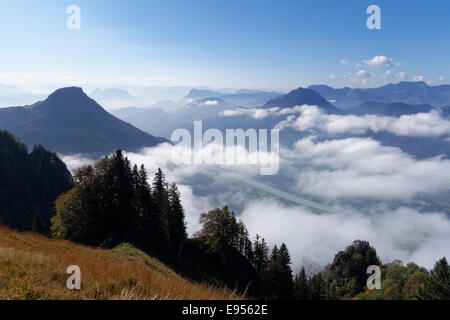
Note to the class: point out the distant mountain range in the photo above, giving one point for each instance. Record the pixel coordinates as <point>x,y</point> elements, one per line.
<point>389,109</point>
<point>297,97</point>
<point>163,123</point>
<point>407,92</point>
<point>243,98</point>
<point>111,94</point>
<point>195,94</point>
<point>68,121</point>
<point>13,96</point>
<point>421,147</point>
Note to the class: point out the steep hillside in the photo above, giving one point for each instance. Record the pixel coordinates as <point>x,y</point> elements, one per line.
<point>34,267</point>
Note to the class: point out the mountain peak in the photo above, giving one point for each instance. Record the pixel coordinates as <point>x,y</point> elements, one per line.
<point>302,96</point>
<point>70,100</point>
<point>64,95</point>
<point>73,91</point>
<point>68,121</point>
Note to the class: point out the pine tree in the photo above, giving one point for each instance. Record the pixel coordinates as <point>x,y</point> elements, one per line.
<point>277,275</point>
<point>118,186</point>
<point>301,285</point>
<point>145,214</point>
<point>437,285</point>
<point>284,259</point>
<point>274,254</point>
<point>160,210</point>
<point>176,224</point>
<point>261,254</point>
<point>316,287</point>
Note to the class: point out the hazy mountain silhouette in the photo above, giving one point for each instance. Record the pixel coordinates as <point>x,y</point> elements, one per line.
<point>68,121</point>
<point>202,93</point>
<point>300,97</point>
<point>243,97</point>
<point>111,94</point>
<point>406,92</point>
<point>390,109</point>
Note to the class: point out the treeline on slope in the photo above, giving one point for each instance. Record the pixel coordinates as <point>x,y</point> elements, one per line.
<point>29,184</point>
<point>346,278</point>
<point>112,202</point>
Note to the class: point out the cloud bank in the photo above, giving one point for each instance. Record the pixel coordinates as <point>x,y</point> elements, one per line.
<point>313,240</point>
<point>363,168</point>
<point>418,125</point>
<point>338,171</point>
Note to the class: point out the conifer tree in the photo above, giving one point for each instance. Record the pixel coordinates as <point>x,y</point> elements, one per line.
<point>437,285</point>
<point>261,254</point>
<point>274,254</point>
<point>316,287</point>
<point>176,224</point>
<point>161,208</point>
<point>284,259</point>
<point>301,285</point>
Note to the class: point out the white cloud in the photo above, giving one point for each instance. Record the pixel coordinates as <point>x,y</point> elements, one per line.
<point>401,75</point>
<point>313,239</point>
<point>75,161</point>
<point>363,73</point>
<point>387,74</point>
<point>421,125</point>
<point>333,76</point>
<point>381,61</point>
<point>334,169</point>
<point>344,62</point>
<point>363,168</point>
<point>260,113</point>
<point>210,103</point>
<point>418,78</point>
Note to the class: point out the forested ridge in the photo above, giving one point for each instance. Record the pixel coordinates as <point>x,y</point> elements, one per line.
<point>29,183</point>
<point>112,202</point>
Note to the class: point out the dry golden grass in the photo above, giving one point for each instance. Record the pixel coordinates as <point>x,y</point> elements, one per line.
<point>34,267</point>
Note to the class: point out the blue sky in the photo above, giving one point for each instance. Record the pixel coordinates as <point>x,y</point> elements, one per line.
<point>223,43</point>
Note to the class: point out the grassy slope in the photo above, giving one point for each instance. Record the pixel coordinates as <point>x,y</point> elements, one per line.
<point>34,267</point>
